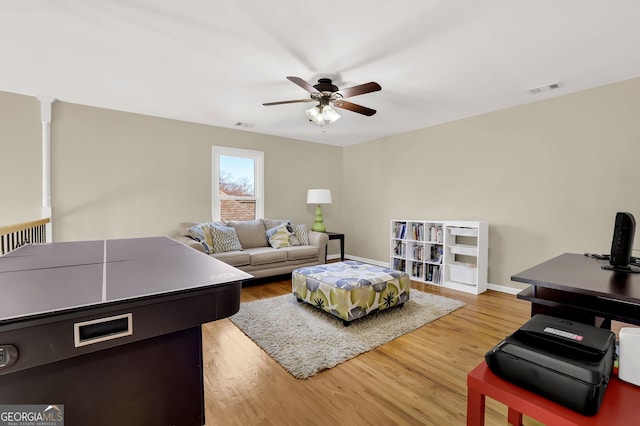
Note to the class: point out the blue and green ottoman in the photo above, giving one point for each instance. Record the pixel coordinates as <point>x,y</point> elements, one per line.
<point>350,290</point>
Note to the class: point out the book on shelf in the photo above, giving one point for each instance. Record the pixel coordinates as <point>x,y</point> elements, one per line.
<point>399,248</point>
<point>416,269</point>
<point>418,252</point>
<point>400,229</point>
<point>417,231</point>
<point>436,254</point>
<point>433,274</point>
<point>436,234</point>
<point>399,265</point>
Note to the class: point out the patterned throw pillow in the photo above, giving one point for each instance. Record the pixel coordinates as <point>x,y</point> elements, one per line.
<point>201,233</point>
<point>293,240</point>
<point>301,233</point>
<point>279,236</point>
<point>224,239</point>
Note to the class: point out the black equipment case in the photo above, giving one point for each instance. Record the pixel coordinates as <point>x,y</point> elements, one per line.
<point>568,362</point>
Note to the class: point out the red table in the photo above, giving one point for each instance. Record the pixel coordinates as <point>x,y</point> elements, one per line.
<point>620,406</point>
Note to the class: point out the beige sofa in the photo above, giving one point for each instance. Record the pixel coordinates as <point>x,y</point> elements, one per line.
<point>256,255</point>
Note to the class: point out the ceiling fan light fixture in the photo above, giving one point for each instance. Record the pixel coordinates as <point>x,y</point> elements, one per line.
<point>313,113</point>
<point>329,114</point>
<point>322,114</point>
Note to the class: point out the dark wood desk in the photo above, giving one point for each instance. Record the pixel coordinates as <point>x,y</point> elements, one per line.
<point>111,329</point>
<point>619,406</point>
<point>336,236</point>
<point>575,287</point>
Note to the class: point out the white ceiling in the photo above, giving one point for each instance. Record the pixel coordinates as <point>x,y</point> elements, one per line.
<point>216,62</point>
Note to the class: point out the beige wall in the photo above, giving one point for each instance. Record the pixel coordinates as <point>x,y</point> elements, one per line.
<point>116,174</point>
<point>20,159</point>
<point>548,177</point>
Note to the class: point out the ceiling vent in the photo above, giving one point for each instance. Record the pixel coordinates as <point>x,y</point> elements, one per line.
<point>546,88</point>
<point>241,124</point>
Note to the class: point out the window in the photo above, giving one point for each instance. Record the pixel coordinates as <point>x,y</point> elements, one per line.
<point>238,176</point>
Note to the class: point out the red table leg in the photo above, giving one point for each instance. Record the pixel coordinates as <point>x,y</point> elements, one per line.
<point>514,417</point>
<point>475,407</point>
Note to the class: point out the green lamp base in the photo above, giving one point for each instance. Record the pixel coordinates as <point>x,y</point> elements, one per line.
<point>318,226</point>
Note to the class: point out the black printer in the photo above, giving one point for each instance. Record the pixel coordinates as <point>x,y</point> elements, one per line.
<point>566,361</point>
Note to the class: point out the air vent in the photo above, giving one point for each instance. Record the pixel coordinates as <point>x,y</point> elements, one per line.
<point>241,124</point>
<point>546,88</point>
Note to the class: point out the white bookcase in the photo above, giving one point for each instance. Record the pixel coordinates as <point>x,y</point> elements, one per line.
<point>451,254</point>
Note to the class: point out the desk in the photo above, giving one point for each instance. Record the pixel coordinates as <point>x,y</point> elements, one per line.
<point>112,329</point>
<point>575,287</point>
<point>619,405</point>
<point>336,236</point>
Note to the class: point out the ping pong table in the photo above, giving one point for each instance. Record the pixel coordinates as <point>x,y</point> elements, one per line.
<point>111,329</point>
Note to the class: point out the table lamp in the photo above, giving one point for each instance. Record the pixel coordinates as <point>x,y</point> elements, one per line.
<point>319,196</point>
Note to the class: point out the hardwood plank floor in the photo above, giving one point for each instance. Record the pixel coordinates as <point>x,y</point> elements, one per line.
<point>417,379</point>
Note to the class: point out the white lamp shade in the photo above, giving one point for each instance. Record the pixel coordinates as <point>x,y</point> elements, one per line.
<point>313,114</point>
<point>319,196</point>
<point>329,114</point>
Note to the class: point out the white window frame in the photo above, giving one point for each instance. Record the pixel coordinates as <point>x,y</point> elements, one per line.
<point>258,157</point>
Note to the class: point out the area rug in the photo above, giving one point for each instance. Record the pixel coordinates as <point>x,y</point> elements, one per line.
<point>305,340</point>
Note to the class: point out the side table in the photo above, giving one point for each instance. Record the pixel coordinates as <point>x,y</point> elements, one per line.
<point>619,406</point>
<point>336,236</point>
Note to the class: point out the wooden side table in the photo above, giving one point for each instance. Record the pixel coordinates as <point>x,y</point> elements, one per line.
<point>619,406</point>
<point>336,236</point>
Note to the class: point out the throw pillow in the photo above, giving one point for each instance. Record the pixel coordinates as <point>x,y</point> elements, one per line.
<point>293,240</point>
<point>301,233</point>
<point>224,239</point>
<point>201,233</point>
<point>279,236</point>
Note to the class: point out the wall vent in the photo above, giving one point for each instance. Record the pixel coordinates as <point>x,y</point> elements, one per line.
<point>546,88</point>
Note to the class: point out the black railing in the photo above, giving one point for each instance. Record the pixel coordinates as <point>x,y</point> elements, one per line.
<point>14,236</point>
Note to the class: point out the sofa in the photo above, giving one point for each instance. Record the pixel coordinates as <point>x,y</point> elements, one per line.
<point>260,247</point>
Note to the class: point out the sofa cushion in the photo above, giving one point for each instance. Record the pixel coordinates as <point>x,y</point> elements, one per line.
<point>251,233</point>
<point>279,236</point>
<point>301,252</point>
<point>224,239</point>
<point>201,232</point>
<point>234,258</point>
<point>263,255</point>
<point>272,223</point>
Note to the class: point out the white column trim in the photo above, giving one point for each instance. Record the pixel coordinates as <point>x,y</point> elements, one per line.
<point>46,104</point>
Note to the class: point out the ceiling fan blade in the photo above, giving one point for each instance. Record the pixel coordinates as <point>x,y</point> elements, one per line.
<point>360,89</point>
<point>354,107</point>
<point>287,102</point>
<point>300,82</point>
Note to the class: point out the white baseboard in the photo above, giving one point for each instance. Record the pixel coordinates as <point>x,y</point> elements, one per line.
<point>494,287</point>
<point>503,288</point>
<point>359,259</point>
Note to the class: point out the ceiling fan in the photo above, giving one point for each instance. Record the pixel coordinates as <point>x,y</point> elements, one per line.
<point>327,95</point>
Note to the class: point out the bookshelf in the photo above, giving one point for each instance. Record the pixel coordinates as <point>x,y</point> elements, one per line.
<point>451,254</point>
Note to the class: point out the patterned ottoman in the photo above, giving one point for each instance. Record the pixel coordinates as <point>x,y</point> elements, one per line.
<point>350,290</point>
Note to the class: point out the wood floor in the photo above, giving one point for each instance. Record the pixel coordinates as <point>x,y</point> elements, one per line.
<point>417,379</point>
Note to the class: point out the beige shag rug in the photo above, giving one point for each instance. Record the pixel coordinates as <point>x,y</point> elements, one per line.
<point>305,340</point>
